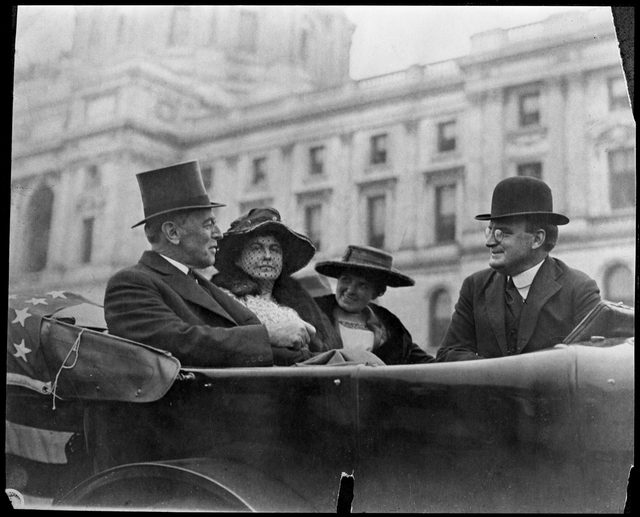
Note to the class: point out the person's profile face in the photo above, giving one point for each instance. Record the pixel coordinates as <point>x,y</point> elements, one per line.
<point>199,236</point>
<point>354,292</point>
<point>262,258</point>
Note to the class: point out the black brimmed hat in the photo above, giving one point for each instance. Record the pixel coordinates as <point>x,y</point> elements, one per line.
<point>523,195</point>
<point>297,249</point>
<point>365,261</point>
<point>177,187</point>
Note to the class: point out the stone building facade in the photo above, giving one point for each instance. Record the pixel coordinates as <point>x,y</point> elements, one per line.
<point>262,98</point>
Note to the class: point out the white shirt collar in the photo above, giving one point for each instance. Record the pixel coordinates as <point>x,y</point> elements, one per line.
<point>525,279</point>
<point>179,265</point>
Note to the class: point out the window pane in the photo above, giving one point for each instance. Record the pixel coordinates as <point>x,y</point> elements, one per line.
<point>87,239</point>
<point>618,93</point>
<point>622,184</point>
<point>530,109</point>
<point>619,285</point>
<point>207,177</point>
<point>248,31</point>
<point>440,318</point>
<point>316,159</point>
<point>378,149</point>
<point>179,26</point>
<point>533,170</point>
<point>446,213</point>
<point>376,208</point>
<point>446,136</point>
<point>259,171</point>
<point>313,225</point>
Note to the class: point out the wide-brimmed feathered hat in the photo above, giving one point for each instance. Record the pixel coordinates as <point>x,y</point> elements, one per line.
<point>177,187</point>
<point>522,195</point>
<point>366,261</point>
<point>297,249</point>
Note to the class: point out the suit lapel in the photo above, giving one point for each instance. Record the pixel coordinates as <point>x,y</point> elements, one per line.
<point>495,306</point>
<point>544,286</point>
<point>186,287</point>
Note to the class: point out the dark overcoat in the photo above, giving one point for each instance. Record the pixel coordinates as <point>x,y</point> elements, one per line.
<point>156,304</point>
<point>559,298</point>
<point>398,348</point>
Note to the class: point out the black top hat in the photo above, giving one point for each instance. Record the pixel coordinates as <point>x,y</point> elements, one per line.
<point>297,249</point>
<point>522,195</point>
<point>177,187</point>
<point>365,261</point>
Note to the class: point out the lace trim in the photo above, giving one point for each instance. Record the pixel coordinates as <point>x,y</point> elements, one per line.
<point>353,325</point>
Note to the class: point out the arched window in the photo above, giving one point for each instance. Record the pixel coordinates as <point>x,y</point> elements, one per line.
<point>619,285</point>
<point>38,228</point>
<point>439,317</point>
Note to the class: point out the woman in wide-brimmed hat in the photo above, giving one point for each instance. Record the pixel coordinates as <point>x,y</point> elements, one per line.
<point>255,260</point>
<point>363,274</point>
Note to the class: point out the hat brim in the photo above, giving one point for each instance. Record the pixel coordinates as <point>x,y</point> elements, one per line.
<point>553,218</point>
<point>297,249</point>
<point>191,207</point>
<point>392,277</point>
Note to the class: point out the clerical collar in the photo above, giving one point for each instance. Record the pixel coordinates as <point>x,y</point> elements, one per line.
<point>179,265</point>
<point>525,279</point>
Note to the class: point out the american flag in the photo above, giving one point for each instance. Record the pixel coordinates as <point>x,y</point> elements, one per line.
<point>26,365</point>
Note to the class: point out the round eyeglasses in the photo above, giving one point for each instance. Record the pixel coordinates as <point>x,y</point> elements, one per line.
<point>498,234</point>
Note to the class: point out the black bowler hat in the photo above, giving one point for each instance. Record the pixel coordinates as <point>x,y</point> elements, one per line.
<point>366,261</point>
<point>297,249</point>
<point>522,195</point>
<point>177,187</point>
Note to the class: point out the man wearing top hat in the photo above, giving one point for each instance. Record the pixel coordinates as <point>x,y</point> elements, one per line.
<point>526,300</point>
<point>163,303</point>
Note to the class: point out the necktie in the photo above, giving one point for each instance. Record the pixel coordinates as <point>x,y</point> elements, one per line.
<point>514,299</point>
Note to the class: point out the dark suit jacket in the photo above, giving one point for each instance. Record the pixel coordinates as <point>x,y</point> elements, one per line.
<point>559,298</point>
<point>156,304</point>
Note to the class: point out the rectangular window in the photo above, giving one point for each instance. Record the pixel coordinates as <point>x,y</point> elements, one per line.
<point>617,93</point>
<point>259,175</point>
<point>376,218</point>
<point>316,160</point>
<point>622,175</point>
<point>446,213</point>
<point>529,109</point>
<point>207,177</point>
<point>248,31</point>
<point>179,31</point>
<point>313,224</point>
<point>379,149</point>
<point>87,239</point>
<point>446,136</point>
<point>213,30</point>
<point>533,170</point>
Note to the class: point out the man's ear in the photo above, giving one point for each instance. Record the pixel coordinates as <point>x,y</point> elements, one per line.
<point>172,232</point>
<point>539,238</point>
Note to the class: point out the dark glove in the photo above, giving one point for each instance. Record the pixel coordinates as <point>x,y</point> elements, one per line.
<point>287,356</point>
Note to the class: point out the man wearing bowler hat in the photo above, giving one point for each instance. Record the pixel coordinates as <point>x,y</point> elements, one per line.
<point>526,300</point>
<point>162,302</point>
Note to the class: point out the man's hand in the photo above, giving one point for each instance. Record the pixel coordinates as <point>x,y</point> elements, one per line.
<point>290,334</point>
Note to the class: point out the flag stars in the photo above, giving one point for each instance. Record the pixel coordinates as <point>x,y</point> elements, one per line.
<point>21,351</point>
<point>37,301</point>
<point>21,316</point>
<point>56,294</point>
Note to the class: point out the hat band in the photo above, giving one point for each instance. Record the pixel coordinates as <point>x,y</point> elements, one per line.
<point>176,204</point>
<point>362,257</point>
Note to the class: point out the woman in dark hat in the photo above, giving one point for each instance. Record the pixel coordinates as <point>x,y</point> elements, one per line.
<point>363,274</point>
<point>255,260</point>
